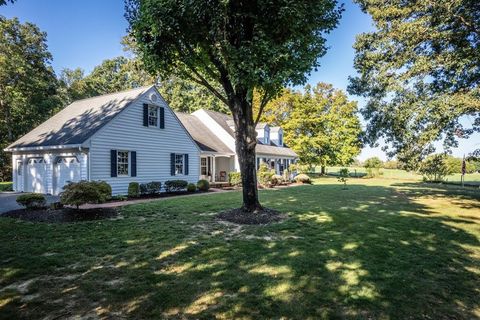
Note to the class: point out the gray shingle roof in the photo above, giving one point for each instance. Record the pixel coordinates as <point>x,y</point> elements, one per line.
<point>205,139</point>
<point>224,120</point>
<point>78,121</point>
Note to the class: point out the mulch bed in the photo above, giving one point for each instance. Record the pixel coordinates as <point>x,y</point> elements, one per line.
<point>241,216</point>
<point>65,215</point>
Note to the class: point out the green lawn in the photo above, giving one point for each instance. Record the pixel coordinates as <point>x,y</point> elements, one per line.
<point>396,174</point>
<point>383,249</point>
<point>6,186</point>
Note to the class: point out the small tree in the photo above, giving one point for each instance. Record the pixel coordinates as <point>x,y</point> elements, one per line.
<point>343,175</point>
<point>434,168</point>
<point>373,166</point>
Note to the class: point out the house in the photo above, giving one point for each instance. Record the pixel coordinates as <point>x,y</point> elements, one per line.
<point>214,133</point>
<point>119,138</point>
<point>133,136</point>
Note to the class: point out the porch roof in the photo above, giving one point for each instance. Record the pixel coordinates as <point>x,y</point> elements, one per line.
<point>206,140</point>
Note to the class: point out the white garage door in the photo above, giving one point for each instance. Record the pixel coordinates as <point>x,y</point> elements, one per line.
<point>36,175</point>
<point>67,169</point>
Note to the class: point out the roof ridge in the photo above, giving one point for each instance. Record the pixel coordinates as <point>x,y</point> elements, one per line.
<point>112,93</point>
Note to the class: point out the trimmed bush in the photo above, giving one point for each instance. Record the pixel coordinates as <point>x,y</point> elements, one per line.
<point>82,192</point>
<point>32,201</point>
<point>104,188</point>
<point>264,175</point>
<point>191,187</point>
<point>303,178</point>
<point>133,190</point>
<point>276,179</point>
<point>234,178</point>
<point>175,185</point>
<point>151,188</point>
<point>203,185</point>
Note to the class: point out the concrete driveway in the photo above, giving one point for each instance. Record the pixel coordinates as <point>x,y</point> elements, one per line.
<point>8,201</point>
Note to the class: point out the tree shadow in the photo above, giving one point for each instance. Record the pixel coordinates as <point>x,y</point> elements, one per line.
<point>369,252</point>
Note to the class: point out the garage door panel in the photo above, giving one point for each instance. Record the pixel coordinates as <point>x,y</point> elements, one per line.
<point>36,175</point>
<point>67,169</point>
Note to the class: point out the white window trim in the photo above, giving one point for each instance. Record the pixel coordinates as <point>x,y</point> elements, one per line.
<point>128,164</point>
<point>180,156</point>
<point>157,108</point>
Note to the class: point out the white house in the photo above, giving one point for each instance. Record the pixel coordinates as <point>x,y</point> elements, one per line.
<point>119,138</point>
<point>134,136</point>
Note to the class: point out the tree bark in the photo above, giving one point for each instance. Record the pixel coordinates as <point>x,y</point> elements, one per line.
<point>246,140</point>
<point>322,170</point>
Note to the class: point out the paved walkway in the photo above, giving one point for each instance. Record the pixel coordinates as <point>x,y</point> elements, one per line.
<point>117,204</point>
<point>8,201</point>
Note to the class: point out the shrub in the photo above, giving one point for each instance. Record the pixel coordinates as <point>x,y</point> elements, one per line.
<point>32,201</point>
<point>82,192</point>
<point>276,179</point>
<point>264,175</point>
<point>235,178</point>
<point>303,178</point>
<point>175,185</point>
<point>104,188</point>
<point>392,164</point>
<point>133,190</point>
<point>6,186</point>
<point>191,187</point>
<point>203,185</point>
<point>151,188</point>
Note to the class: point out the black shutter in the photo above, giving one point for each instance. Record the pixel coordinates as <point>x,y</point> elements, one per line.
<point>133,155</point>
<point>113,163</point>
<point>145,115</point>
<point>186,164</point>
<point>162,118</point>
<point>172,164</point>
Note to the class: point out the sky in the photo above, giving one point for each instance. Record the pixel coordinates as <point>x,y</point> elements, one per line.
<point>84,33</point>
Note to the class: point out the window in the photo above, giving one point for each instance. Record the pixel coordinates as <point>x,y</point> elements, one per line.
<point>280,138</point>
<point>179,164</point>
<point>267,136</point>
<point>152,116</point>
<point>19,168</point>
<point>122,163</point>
<point>203,166</point>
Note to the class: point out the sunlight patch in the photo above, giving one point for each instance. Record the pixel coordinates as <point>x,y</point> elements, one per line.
<point>172,251</point>
<point>273,271</point>
<point>204,302</point>
<point>350,246</point>
<point>281,291</point>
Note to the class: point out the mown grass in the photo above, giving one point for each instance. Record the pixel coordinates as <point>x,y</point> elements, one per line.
<point>6,186</point>
<point>381,249</point>
<point>397,174</point>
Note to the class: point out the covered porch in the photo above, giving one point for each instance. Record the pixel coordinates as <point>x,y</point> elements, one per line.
<point>215,167</point>
<point>277,163</point>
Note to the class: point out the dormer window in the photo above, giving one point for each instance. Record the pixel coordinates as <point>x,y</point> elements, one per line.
<point>266,138</point>
<point>280,138</point>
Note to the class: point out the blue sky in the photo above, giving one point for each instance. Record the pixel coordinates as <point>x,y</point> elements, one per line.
<point>84,33</point>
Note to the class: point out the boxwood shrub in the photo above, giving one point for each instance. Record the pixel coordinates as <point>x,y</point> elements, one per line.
<point>133,190</point>
<point>203,185</point>
<point>150,188</point>
<point>191,187</point>
<point>32,200</point>
<point>175,185</point>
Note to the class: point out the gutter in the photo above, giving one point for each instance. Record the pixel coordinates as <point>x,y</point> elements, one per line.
<point>58,147</point>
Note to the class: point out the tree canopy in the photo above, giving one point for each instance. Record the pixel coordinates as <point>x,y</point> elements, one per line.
<point>320,124</point>
<point>420,71</point>
<point>239,46</point>
<point>27,83</point>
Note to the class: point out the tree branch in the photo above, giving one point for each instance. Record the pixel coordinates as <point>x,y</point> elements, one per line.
<point>263,103</point>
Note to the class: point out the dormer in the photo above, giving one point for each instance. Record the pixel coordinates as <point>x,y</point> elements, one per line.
<point>276,135</point>
<point>263,132</point>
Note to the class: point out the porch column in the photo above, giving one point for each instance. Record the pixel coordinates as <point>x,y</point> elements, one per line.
<point>213,169</point>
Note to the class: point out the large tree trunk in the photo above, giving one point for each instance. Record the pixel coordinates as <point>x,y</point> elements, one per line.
<point>246,140</point>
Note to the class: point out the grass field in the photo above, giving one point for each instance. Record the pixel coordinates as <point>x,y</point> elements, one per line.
<point>6,186</point>
<point>471,178</point>
<point>382,249</point>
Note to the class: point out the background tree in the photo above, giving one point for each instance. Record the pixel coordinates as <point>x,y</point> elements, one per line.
<point>373,166</point>
<point>320,125</point>
<point>27,83</point>
<point>237,45</point>
<point>420,71</point>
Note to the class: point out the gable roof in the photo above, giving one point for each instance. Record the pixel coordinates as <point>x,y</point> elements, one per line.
<point>205,139</point>
<point>78,121</point>
<point>225,120</point>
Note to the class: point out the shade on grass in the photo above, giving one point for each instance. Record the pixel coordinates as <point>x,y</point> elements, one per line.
<point>381,249</point>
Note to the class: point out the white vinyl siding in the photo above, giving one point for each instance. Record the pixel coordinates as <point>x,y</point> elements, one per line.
<point>153,147</point>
